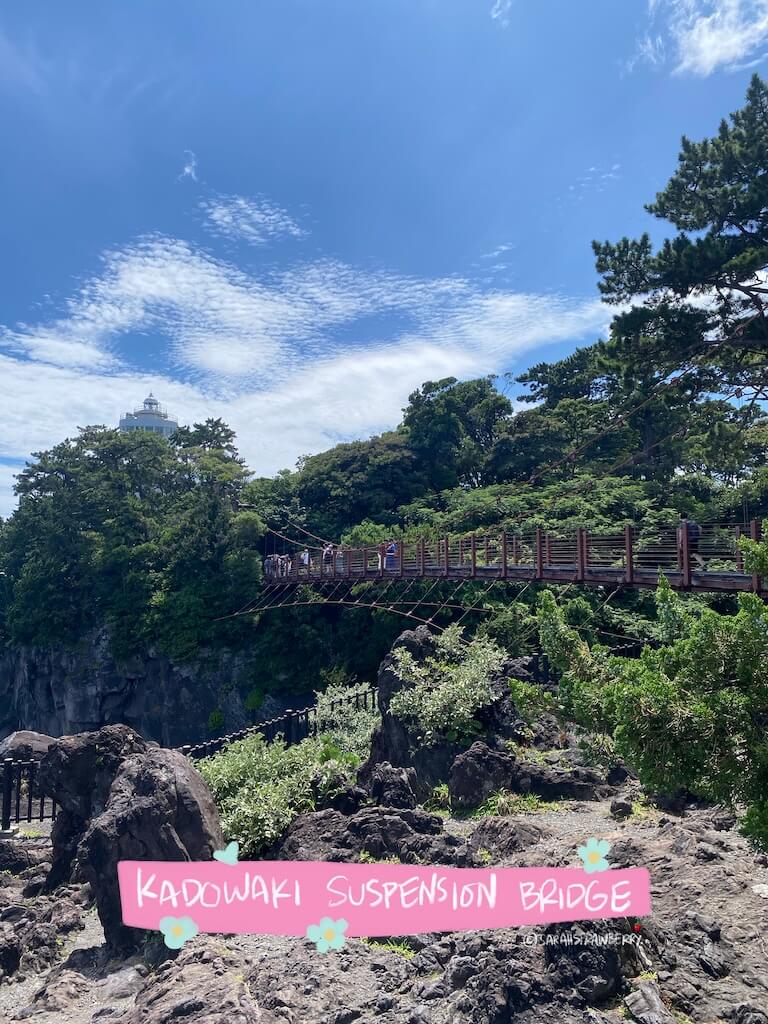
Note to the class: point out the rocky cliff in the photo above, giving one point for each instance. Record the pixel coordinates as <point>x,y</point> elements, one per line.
<point>60,692</point>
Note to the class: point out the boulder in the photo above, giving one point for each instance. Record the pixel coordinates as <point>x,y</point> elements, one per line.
<point>644,1005</point>
<point>17,856</point>
<point>25,745</point>
<point>380,833</point>
<point>124,800</point>
<point>503,837</point>
<point>477,773</point>
<point>393,787</point>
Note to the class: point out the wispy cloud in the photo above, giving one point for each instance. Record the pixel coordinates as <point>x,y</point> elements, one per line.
<point>501,12</point>
<point>702,36</point>
<point>286,356</point>
<point>256,220</point>
<point>22,66</point>
<point>189,170</point>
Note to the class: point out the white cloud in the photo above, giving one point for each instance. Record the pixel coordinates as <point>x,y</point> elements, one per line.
<point>702,36</point>
<point>285,357</point>
<point>253,220</point>
<point>500,11</point>
<point>189,169</point>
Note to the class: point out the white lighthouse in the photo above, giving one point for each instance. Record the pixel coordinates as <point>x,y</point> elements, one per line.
<point>151,417</point>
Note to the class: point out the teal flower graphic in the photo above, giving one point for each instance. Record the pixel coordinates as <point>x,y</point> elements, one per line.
<point>177,930</point>
<point>594,853</point>
<point>329,934</point>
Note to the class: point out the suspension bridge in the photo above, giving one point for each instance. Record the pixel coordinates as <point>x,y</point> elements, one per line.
<point>629,557</point>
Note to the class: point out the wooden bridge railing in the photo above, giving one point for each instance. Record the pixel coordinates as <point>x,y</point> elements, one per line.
<point>631,556</point>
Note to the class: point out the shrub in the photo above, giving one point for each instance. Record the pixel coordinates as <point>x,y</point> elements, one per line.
<point>693,714</point>
<point>449,687</point>
<point>260,787</point>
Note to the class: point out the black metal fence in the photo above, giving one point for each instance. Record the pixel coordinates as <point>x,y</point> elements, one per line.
<point>23,801</point>
<point>292,727</point>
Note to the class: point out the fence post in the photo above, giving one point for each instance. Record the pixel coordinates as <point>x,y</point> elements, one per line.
<point>539,554</point>
<point>629,554</point>
<point>5,818</point>
<point>473,555</point>
<point>504,555</point>
<point>755,533</point>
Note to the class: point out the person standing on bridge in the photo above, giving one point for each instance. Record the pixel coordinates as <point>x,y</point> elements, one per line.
<point>328,558</point>
<point>304,559</point>
<point>693,534</point>
<point>391,555</point>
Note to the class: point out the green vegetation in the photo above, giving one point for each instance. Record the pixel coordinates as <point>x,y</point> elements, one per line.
<point>259,788</point>
<point>391,946</point>
<point>504,804</point>
<point>449,687</point>
<point>691,714</point>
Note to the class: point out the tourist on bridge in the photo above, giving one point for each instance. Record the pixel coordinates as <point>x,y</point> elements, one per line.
<point>693,532</point>
<point>305,560</point>
<point>390,561</point>
<point>328,558</point>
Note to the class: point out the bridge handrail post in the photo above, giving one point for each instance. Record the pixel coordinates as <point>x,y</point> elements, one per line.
<point>581,546</point>
<point>539,553</point>
<point>755,533</point>
<point>684,547</point>
<point>401,556</point>
<point>629,554</point>
<point>504,555</point>
<point>420,556</point>
<point>473,555</point>
<point>447,552</point>
<point>382,556</point>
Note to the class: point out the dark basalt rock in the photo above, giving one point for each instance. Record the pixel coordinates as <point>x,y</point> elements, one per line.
<point>124,800</point>
<point>477,773</point>
<point>25,745</point>
<point>502,837</point>
<point>393,787</point>
<point>410,836</point>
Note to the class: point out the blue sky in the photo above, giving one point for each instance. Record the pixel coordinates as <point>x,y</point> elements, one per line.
<point>290,213</point>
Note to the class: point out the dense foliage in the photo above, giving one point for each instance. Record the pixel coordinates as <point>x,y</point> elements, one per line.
<point>449,687</point>
<point>259,788</point>
<point>691,714</point>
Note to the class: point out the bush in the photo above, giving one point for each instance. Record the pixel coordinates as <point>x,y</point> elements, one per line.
<point>693,714</point>
<point>449,687</point>
<point>260,787</point>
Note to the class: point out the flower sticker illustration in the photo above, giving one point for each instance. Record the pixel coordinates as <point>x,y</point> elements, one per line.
<point>593,854</point>
<point>177,930</point>
<point>228,855</point>
<point>329,934</point>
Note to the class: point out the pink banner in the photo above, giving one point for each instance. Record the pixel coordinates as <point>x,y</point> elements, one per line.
<point>285,897</point>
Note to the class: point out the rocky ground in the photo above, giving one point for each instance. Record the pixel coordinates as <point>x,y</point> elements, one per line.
<point>702,954</point>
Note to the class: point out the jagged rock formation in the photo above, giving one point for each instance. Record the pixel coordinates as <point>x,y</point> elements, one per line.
<point>62,692</point>
<point>123,799</point>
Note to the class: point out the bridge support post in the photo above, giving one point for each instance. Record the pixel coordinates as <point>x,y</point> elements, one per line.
<point>474,556</point>
<point>581,554</point>
<point>447,552</point>
<point>684,547</point>
<point>539,553</point>
<point>755,533</point>
<point>420,557</point>
<point>629,554</point>
<point>504,555</point>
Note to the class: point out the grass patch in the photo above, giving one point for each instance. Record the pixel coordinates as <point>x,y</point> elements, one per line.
<point>390,946</point>
<point>368,858</point>
<point>504,804</point>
